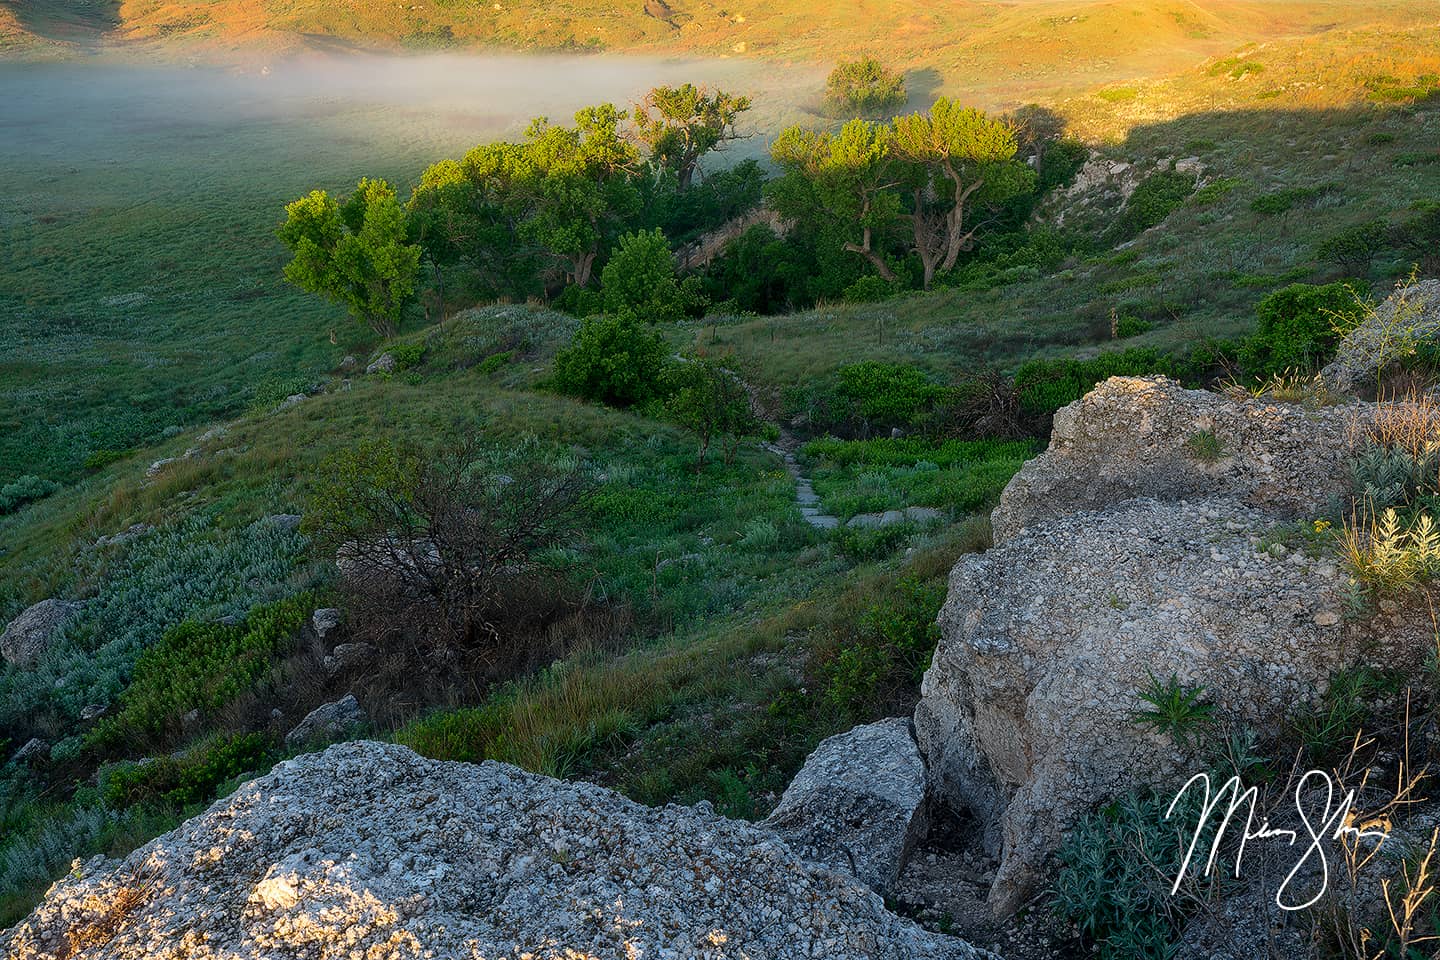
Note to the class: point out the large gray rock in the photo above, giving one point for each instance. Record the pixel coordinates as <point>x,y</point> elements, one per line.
<point>858,804</point>
<point>1409,317</point>
<point>328,722</point>
<point>1026,712</point>
<point>368,850</point>
<point>28,636</point>
<point>1134,437</point>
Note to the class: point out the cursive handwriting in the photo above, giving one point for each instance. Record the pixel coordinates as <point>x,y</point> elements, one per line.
<point>1323,823</point>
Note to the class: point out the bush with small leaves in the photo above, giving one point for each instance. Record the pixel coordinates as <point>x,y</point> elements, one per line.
<point>864,87</point>
<point>614,360</point>
<point>23,490</point>
<point>1354,248</point>
<point>1298,329</point>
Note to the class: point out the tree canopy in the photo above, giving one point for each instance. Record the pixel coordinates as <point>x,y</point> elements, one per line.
<point>681,124</point>
<point>354,253</point>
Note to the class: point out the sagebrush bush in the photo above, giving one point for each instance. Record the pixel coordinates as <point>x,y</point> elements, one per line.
<point>195,570</point>
<point>1116,870</point>
<point>23,490</point>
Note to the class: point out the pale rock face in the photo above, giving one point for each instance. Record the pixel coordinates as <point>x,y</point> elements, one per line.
<point>858,804</point>
<point>1027,711</point>
<point>385,363</point>
<point>368,850</point>
<point>28,637</point>
<point>1408,315</point>
<point>328,722</point>
<point>1131,437</point>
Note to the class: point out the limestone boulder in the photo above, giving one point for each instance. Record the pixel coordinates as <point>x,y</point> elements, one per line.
<point>368,850</point>
<point>858,804</point>
<point>1150,437</point>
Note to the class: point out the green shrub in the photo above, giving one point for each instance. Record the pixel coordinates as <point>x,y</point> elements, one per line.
<point>1354,248</point>
<point>23,490</point>
<point>888,651</point>
<point>185,780</point>
<point>1154,199</point>
<point>201,666</point>
<point>495,361</point>
<point>863,544</point>
<point>1215,190</point>
<point>614,360</point>
<point>885,394</point>
<point>1282,201</point>
<point>864,87</point>
<point>868,289</point>
<point>1130,326</point>
<point>1045,386</point>
<point>406,354</point>
<point>1296,329</point>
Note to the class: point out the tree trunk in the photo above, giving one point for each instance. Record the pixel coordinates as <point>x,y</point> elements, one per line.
<point>580,267</point>
<point>955,240</point>
<point>877,261</point>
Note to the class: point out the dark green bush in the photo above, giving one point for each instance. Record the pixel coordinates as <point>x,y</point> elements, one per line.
<point>864,87</point>
<point>1282,201</point>
<point>201,666</point>
<point>1354,248</point>
<point>1419,238</point>
<point>186,780</point>
<point>614,360</point>
<point>888,651</point>
<point>640,281</point>
<point>23,490</point>
<point>1130,326</point>
<point>868,289</point>
<point>1154,199</point>
<point>1045,386</point>
<point>1296,329</point>
<point>885,394</point>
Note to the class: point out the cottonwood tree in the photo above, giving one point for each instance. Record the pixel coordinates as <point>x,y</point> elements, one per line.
<point>355,253</point>
<point>681,124</point>
<point>577,183</point>
<point>847,178</point>
<point>951,160</point>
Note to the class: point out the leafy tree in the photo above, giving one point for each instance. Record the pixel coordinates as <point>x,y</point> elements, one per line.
<point>1354,248</point>
<point>953,158</point>
<point>615,360</point>
<point>846,178</point>
<point>354,253</point>
<point>711,401</point>
<point>639,281</point>
<point>682,124</point>
<point>577,183</point>
<point>864,87</point>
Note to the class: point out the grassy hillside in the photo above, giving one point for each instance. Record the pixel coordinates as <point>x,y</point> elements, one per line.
<point>997,51</point>
<point>150,342</point>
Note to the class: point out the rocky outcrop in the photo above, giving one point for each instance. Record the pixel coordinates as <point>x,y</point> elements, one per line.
<point>28,637</point>
<point>368,850</point>
<point>1150,437</point>
<point>1409,317</point>
<point>858,804</point>
<point>1027,711</point>
<point>328,721</point>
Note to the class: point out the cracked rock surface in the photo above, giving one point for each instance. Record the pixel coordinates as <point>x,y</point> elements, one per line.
<point>368,850</point>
